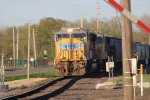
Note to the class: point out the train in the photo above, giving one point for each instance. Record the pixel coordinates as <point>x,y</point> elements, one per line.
<point>80,51</point>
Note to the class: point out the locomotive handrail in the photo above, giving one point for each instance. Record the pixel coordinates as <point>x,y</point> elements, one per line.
<point>83,55</point>
<point>57,58</point>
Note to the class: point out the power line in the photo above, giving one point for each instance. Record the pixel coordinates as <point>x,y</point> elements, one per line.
<point>62,5</point>
<point>12,16</point>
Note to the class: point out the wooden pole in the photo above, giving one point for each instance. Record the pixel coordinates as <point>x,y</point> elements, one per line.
<point>3,70</point>
<point>34,47</point>
<point>126,26</point>
<point>81,22</point>
<point>97,16</point>
<point>149,39</point>
<point>28,66</point>
<point>17,45</point>
<point>14,55</point>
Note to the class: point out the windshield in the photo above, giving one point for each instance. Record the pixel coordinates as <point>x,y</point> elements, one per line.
<point>78,35</point>
<point>59,36</point>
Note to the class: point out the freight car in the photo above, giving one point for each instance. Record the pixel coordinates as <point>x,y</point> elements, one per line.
<point>112,47</point>
<point>80,51</point>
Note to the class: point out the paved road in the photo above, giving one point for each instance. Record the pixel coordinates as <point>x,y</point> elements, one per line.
<point>33,70</point>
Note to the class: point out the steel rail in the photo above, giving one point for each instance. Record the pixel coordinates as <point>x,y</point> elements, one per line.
<point>36,90</point>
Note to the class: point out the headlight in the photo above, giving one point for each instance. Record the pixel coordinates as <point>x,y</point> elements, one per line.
<point>62,57</point>
<point>70,30</point>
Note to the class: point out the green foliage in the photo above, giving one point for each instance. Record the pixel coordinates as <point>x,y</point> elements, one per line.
<point>44,34</point>
<point>12,78</point>
<point>6,39</point>
<point>144,35</point>
<point>43,75</point>
<point>112,27</point>
<point>23,43</point>
<point>109,26</point>
<point>146,77</point>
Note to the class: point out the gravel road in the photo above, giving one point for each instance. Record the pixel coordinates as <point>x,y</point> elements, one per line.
<point>84,89</point>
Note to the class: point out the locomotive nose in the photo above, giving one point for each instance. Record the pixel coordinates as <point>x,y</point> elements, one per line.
<point>70,46</point>
<point>70,50</point>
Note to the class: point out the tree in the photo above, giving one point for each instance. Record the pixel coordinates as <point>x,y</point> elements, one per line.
<point>6,40</point>
<point>112,27</point>
<point>45,35</point>
<point>146,19</point>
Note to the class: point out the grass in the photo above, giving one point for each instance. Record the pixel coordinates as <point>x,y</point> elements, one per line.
<point>48,74</point>
<point>146,78</point>
<point>32,67</point>
<point>119,80</point>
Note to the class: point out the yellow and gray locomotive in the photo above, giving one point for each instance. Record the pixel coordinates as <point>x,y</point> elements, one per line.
<point>75,52</point>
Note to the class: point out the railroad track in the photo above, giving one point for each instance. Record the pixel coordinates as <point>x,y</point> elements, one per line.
<point>49,90</point>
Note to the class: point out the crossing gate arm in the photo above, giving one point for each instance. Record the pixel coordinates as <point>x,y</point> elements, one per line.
<point>128,14</point>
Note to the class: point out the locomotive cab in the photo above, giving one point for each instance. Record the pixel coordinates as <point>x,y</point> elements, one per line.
<point>70,52</point>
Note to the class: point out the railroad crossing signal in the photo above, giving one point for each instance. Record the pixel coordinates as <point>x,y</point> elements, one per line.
<point>128,14</point>
<point>31,59</point>
<point>109,66</point>
<point>45,53</point>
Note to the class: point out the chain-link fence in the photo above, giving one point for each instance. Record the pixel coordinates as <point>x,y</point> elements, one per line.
<point>22,63</point>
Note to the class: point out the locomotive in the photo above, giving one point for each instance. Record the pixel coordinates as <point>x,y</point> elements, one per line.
<point>80,51</point>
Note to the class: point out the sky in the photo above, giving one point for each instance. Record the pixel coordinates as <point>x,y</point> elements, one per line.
<point>19,12</point>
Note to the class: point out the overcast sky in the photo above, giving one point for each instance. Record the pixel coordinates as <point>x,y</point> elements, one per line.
<point>18,12</point>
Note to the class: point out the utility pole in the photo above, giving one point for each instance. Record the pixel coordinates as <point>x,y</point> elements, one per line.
<point>14,55</point>
<point>149,39</point>
<point>28,66</point>
<point>17,44</point>
<point>3,69</point>
<point>126,26</point>
<point>34,47</point>
<point>81,22</point>
<point>98,18</point>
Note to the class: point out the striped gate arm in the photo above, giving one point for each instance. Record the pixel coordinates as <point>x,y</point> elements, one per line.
<point>128,14</point>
